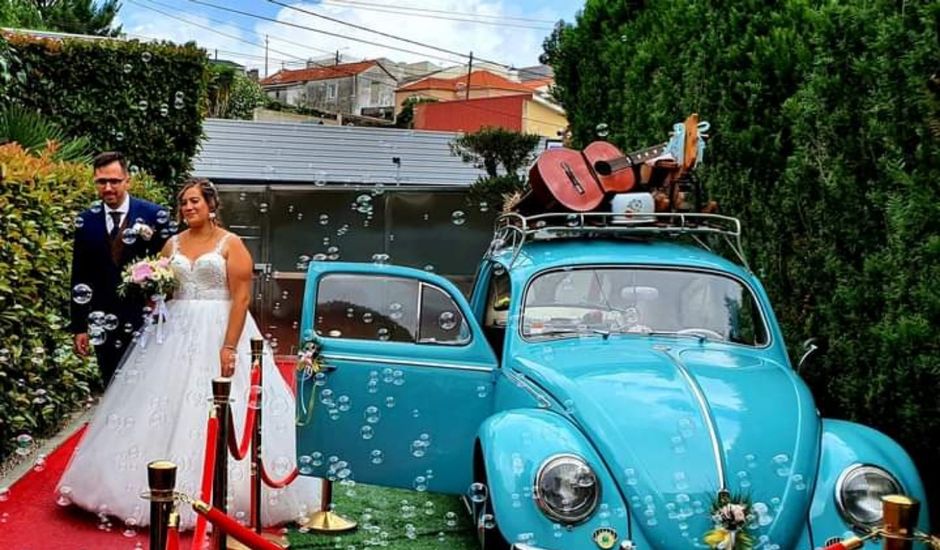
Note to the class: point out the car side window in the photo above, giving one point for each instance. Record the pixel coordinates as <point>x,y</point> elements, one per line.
<point>497,301</point>
<point>441,321</point>
<point>367,307</point>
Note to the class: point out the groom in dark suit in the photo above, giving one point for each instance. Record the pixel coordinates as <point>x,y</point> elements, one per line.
<point>108,237</point>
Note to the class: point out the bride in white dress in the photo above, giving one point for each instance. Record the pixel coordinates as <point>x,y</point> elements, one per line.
<point>158,402</point>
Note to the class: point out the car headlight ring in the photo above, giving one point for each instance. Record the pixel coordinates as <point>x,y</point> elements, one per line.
<point>566,489</point>
<point>859,490</point>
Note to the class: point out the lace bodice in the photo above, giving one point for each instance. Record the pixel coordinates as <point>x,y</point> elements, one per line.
<point>203,278</point>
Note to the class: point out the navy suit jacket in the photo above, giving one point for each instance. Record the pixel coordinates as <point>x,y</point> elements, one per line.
<point>93,264</point>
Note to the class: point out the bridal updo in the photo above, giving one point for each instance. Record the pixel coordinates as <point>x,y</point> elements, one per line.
<point>209,194</point>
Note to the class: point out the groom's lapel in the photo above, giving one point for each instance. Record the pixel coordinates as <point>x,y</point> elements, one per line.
<point>133,212</point>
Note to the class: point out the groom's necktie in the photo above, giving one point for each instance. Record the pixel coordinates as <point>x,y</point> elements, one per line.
<point>116,226</point>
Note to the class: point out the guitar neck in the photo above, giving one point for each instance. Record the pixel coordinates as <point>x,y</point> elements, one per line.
<point>608,167</point>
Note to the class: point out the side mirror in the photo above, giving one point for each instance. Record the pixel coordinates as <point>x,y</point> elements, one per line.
<point>810,347</point>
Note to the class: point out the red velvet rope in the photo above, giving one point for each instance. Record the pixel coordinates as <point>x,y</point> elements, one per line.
<point>236,449</point>
<point>231,527</point>
<point>208,466</point>
<point>277,484</point>
<point>173,538</point>
<point>835,546</point>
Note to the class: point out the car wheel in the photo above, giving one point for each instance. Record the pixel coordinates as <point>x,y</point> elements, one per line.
<point>490,538</point>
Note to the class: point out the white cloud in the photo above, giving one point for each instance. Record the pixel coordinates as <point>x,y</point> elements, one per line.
<point>505,44</point>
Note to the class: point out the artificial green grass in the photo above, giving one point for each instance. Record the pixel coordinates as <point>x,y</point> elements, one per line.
<point>383,514</point>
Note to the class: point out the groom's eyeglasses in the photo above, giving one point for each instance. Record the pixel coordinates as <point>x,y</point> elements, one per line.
<point>104,182</point>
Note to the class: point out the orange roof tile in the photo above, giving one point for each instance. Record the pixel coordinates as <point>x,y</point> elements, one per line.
<point>286,76</point>
<point>479,80</point>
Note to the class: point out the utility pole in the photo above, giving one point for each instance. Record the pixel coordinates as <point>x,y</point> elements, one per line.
<point>265,56</point>
<point>216,54</point>
<point>337,58</point>
<point>469,70</point>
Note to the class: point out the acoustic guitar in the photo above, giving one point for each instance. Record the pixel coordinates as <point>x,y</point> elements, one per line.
<point>562,176</point>
<point>580,182</point>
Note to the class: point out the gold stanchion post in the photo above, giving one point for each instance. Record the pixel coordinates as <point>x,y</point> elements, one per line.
<point>257,350</point>
<point>326,520</point>
<point>161,476</point>
<point>221,388</point>
<point>900,513</point>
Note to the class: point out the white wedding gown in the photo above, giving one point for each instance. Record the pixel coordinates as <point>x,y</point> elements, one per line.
<point>159,400</point>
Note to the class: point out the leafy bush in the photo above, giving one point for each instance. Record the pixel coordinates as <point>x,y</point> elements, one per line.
<point>144,99</point>
<point>821,117</point>
<point>41,380</point>
<point>35,133</point>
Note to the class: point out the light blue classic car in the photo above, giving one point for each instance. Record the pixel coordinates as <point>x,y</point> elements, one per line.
<point>607,385</point>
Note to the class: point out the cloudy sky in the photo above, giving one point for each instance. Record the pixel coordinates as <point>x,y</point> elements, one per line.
<point>506,31</point>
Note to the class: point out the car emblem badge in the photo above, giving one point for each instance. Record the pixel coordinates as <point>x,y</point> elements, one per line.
<point>605,538</point>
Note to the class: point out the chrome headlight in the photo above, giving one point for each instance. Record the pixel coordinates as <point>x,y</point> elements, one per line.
<point>859,490</point>
<point>566,489</point>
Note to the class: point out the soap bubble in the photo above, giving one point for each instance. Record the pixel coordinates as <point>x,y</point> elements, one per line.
<point>602,130</point>
<point>458,217</point>
<point>478,492</point>
<point>129,236</point>
<point>81,294</point>
<point>145,57</point>
<point>447,320</point>
<point>24,443</point>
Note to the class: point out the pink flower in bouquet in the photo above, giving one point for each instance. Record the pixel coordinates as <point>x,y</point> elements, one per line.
<point>141,272</point>
<point>163,263</point>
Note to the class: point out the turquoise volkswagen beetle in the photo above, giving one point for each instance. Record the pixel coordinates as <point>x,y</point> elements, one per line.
<point>607,385</point>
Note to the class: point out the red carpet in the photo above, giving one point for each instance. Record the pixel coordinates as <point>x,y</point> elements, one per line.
<point>30,519</point>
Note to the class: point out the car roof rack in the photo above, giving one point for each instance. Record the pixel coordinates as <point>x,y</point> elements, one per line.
<point>512,230</point>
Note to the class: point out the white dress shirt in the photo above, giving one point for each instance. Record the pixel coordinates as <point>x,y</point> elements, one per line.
<point>123,208</point>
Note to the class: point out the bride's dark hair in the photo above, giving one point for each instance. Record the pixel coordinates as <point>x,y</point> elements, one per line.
<point>209,194</point>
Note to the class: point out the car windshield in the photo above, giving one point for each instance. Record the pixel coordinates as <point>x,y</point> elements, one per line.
<point>588,301</point>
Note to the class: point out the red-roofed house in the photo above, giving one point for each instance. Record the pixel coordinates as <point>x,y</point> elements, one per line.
<point>482,84</point>
<point>364,88</point>
<point>493,101</point>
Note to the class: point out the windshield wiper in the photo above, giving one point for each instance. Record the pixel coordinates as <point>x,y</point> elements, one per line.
<point>604,333</point>
<point>698,336</point>
<point>701,337</point>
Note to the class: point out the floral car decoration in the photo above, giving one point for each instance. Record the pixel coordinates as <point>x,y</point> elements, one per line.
<point>606,385</point>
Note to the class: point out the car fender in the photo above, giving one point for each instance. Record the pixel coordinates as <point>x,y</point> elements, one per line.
<point>844,444</point>
<point>513,445</point>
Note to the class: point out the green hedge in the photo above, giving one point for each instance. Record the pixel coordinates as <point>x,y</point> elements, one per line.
<point>41,380</point>
<point>97,88</point>
<point>821,142</point>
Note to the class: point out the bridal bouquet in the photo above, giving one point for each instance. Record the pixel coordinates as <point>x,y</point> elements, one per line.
<point>154,277</point>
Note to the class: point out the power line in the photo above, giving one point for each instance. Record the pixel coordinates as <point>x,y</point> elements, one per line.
<point>367,29</point>
<point>382,33</point>
<point>208,28</point>
<point>383,8</point>
<point>342,71</point>
<point>429,10</point>
<point>298,59</point>
<point>312,29</point>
